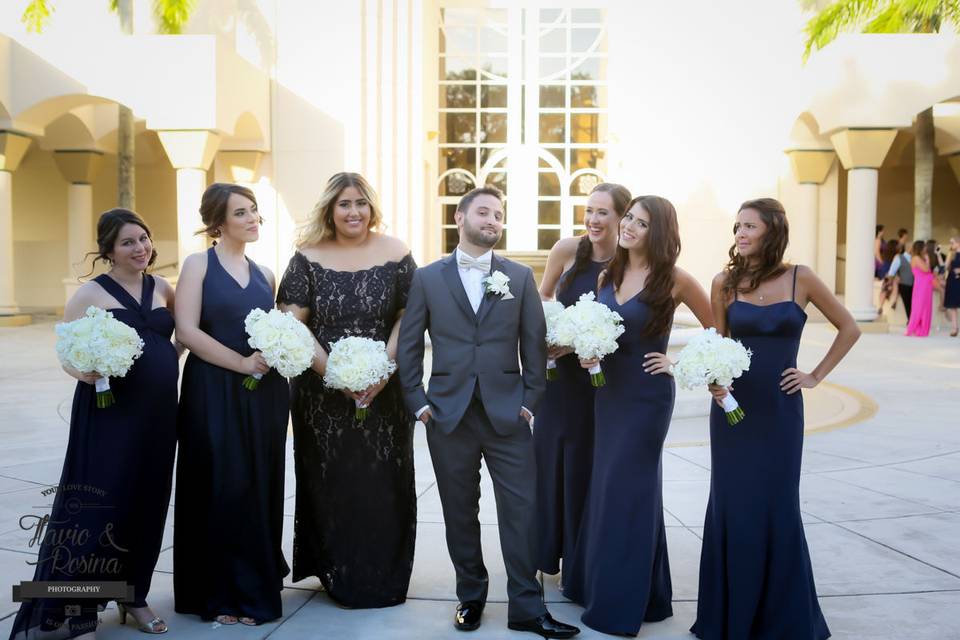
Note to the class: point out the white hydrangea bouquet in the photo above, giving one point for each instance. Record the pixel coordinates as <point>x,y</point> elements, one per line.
<point>98,342</point>
<point>284,341</point>
<point>551,311</point>
<point>709,358</point>
<point>592,329</point>
<point>356,364</point>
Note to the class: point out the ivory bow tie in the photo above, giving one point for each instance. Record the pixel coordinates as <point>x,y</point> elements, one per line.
<point>467,262</point>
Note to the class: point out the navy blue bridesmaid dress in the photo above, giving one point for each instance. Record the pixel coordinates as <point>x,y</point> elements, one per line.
<point>621,571</point>
<point>756,581</point>
<point>228,514</point>
<point>114,489</point>
<point>563,442</point>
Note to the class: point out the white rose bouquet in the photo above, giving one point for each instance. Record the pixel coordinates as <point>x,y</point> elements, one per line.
<point>356,364</point>
<point>709,358</point>
<point>284,341</point>
<point>592,329</point>
<point>98,342</point>
<point>552,311</point>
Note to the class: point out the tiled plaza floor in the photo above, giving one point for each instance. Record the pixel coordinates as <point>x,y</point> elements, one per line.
<point>881,502</point>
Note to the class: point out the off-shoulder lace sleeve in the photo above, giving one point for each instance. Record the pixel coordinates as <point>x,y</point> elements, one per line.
<point>295,287</point>
<point>404,278</point>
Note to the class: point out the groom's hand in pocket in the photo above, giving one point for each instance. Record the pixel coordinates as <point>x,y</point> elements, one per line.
<point>527,416</point>
<point>425,417</point>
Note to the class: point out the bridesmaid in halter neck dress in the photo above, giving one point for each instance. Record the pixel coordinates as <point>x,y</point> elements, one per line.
<point>118,467</point>
<point>227,562</point>
<point>756,579</point>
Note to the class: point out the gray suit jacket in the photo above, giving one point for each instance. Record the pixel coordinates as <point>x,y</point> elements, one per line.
<point>473,348</point>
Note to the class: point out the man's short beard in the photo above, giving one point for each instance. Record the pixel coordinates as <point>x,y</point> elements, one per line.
<point>475,236</point>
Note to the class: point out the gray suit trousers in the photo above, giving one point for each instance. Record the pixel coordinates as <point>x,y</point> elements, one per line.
<point>510,462</point>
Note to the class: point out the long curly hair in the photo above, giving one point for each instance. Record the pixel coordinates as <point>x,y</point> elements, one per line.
<point>621,199</point>
<point>769,260</point>
<point>662,251</point>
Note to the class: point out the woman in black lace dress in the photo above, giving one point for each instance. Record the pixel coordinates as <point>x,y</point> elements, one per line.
<point>356,512</point>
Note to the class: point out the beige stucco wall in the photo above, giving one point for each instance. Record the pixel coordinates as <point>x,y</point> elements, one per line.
<point>699,114</point>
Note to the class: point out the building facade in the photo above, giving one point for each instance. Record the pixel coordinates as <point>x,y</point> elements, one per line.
<point>708,105</point>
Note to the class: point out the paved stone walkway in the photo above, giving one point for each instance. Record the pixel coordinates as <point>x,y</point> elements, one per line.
<point>881,501</point>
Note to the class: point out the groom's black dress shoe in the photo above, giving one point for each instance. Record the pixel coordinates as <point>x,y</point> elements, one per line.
<point>546,626</point>
<point>468,616</point>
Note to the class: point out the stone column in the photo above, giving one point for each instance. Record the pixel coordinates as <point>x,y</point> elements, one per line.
<point>13,146</point>
<point>810,168</point>
<point>861,151</point>
<point>79,167</point>
<point>190,152</point>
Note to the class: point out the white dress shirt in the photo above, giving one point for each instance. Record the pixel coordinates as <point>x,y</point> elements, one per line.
<point>472,280</point>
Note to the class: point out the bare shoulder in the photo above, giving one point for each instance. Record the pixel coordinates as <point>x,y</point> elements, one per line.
<point>195,262</point>
<point>391,248</point>
<point>805,273</point>
<point>565,248</point>
<point>89,293</point>
<point>390,245</point>
<point>718,279</point>
<point>162,285</point>
<point>683,278</point>
<point>267,273</point>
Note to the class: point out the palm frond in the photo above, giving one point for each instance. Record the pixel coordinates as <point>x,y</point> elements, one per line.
<point>951,13</point>
<point>37,15</point>
<point>891,19</point>
<point>842,16</point>
<point>173,15</point>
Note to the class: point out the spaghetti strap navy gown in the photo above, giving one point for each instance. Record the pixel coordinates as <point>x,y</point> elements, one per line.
<point>563,441</point>
<point>115,483</point>
<point>230,469</point>
<point>756,581</point>
<point>621,572</point>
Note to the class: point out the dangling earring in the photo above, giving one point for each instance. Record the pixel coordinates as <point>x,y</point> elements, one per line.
<point>217,233</point>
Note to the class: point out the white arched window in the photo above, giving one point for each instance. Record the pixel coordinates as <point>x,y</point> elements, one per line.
<point>524,87</point>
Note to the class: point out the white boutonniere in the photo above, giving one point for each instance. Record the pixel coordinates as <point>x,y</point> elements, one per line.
<point>498,283</point>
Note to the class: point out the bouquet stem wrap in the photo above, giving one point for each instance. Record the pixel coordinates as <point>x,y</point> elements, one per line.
<point>361,412</point>
<point>104,395</point>
<point>732,408</point>
<point>551,369</point>
<point>597,378</point>
<point>250,382</point>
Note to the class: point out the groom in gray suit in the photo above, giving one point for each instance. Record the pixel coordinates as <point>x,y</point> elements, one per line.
<point>481,311</point>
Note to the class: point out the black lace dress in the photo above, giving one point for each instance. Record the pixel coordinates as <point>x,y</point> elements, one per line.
<point>356,511</point>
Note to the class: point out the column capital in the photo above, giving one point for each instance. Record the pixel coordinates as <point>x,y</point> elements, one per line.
<point>862,148</point>
<point>238,166</point>
<point>13,146</point>
<point>78,166</point>
<point>810,166</point>
<point>189,148</point>
<point>954,161</point>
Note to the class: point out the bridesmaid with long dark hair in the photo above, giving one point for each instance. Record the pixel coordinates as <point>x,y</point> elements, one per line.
<point>111,504</point>
<point>756,580</point>
<point>563,439</point>
<point>227,562</point>
<point>620,571</point>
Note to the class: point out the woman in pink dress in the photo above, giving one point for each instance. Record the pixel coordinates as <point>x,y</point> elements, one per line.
<point>923,282</point>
